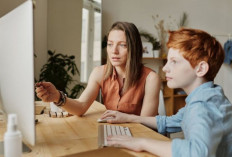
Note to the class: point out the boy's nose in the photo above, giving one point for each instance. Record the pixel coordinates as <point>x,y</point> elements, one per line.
<point>165,68</point>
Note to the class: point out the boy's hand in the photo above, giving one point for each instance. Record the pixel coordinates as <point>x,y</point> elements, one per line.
<point>116,117</point>
<point>125,142</point>
<point>47,92</point>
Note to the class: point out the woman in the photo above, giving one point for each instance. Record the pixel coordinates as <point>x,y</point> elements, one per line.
<point>126,85</point>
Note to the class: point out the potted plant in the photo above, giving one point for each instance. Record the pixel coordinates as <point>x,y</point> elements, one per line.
<point>60,70</point>
<point>156,44</point>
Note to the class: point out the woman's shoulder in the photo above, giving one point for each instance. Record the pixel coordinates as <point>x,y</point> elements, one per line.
<point>98,73</point>
<point>153,77</point>
<point>99,68</point>
<point>151,74</point>
<point>147,70</point>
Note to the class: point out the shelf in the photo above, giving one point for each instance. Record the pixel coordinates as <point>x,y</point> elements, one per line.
<point>180,95</point>
<point>154,58</point>
<point>167,96</point>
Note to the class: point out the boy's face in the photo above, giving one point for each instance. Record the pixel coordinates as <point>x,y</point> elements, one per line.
<point>179,72</point>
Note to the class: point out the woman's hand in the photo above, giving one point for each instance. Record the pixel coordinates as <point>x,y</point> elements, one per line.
<point>47,92</point>
<point>126,142</point>
<point>116,117</point>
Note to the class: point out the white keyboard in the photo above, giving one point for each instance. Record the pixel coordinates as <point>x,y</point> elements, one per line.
<point>110,130</point>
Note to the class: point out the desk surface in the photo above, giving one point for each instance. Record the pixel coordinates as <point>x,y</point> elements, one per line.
<point>69,135</point>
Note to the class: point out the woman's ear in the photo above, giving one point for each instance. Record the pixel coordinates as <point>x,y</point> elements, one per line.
<point>202,68</point>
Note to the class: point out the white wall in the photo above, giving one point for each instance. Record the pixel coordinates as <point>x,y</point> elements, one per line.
<point>64,27</point>
<point>40,28</point>
<point>57,26</point>
<point>213,16</point>
<point>40,35</point>
<point>8,5</point>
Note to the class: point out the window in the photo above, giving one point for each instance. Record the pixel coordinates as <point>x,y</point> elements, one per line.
<point>91,37</point>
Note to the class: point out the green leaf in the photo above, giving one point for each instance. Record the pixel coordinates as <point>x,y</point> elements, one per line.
<point>60,70</point>
<point>156,44</point>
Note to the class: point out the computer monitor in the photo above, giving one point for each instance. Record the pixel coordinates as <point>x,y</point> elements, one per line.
<point>17,68</point>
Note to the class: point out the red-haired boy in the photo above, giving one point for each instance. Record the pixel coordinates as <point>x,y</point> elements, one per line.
<point>194,59</point>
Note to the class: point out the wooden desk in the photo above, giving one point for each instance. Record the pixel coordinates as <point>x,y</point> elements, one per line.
<point>64,136</point>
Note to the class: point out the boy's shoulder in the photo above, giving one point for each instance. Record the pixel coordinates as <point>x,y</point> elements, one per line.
<point>206,91</point>
<point>210,95</point>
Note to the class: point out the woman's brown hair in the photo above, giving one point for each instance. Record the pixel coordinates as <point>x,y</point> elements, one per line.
<point>134,57</point>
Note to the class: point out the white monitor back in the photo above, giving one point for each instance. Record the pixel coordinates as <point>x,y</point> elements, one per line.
<point>17,67</point>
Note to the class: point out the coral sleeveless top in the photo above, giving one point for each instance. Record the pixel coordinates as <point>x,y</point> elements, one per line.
<point>131,101</point>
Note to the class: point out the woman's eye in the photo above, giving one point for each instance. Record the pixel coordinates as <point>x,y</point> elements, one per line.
<point>123,45</point>
<point>109,44</point>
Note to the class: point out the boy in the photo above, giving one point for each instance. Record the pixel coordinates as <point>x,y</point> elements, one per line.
<point>194,59</point>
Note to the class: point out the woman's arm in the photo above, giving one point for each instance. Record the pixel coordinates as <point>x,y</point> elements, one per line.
<point>151,96</point>
<point>48,93</point>
<point>81,105</point>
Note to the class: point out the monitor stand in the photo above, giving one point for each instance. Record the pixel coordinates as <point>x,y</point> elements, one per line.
<point>26,149</point>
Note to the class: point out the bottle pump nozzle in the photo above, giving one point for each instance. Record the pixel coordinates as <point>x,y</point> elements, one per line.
<point>12,122</point>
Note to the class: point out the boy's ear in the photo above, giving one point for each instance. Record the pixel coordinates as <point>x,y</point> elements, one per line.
<point>202,68</point>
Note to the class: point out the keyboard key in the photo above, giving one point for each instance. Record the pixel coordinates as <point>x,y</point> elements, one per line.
<point>118,132</point>
<point>127,131</point>
<point>110,130</point>
<point>113,128</point>
<point>122,130</point>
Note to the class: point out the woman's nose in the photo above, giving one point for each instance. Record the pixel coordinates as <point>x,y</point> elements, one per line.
<point>115,49</point>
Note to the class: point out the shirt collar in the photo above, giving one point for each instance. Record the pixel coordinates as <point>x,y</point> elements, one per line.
<point>204,85</point>
<point>114,75</point>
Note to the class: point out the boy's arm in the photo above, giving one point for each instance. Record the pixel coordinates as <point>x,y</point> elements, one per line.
<point>147,121</point>
<point>162,123</point>
<point>160,148</point>
<point>170,124</point>
<point>157,147</point>
<point>202,132</point>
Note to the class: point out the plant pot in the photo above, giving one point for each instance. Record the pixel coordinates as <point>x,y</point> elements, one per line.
<point>156,53</point>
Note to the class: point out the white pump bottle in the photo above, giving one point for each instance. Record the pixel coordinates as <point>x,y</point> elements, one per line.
<point>12,138</point>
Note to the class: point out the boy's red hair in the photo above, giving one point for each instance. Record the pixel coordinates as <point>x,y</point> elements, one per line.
<point>197,45</point>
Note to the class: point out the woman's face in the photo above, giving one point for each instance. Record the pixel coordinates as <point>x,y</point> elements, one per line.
<point>117,48</point>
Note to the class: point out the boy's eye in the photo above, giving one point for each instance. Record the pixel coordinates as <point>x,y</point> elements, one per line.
<point>173,62</point>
